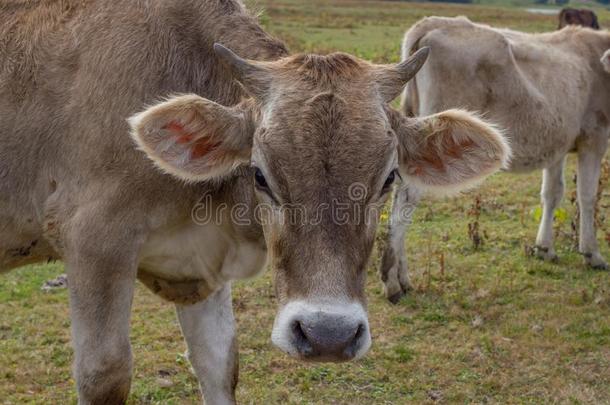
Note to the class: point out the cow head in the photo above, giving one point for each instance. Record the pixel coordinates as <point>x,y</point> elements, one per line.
<point>325,148</point>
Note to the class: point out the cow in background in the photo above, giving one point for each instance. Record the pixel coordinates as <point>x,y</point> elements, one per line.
<point>578,16</point>
<point>548,91</point>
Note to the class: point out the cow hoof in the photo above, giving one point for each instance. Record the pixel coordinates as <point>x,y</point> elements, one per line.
<point>394,275</point>
<point>596,261</point>
<point>546,254</point>
<point>394,298</point>
<point>395,291</point>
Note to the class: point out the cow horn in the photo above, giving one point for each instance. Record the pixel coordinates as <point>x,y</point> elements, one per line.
<point>254,76</point>
<point>392,79</point>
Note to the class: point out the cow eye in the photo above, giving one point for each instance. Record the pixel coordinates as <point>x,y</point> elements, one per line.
<point>260,183</point>
<point>260,180</point>
<point>389,181</point>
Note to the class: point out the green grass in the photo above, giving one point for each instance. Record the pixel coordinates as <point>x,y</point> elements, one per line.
<point>496,326</point>
<point>373,29</point>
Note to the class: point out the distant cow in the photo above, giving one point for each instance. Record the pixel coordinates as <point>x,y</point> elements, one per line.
<point>578,16</point>
<point>282,159</point>
<point>548,91</point>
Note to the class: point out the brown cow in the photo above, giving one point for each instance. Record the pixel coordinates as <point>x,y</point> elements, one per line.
<point>578,16</point>
<point>548,91</point>
<point>309,136</point>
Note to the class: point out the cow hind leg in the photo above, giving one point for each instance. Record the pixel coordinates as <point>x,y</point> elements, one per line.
<point>551,194</point>
<point>209,331</point>
<point>393,269</point>
<point>101,266</point>
<point>589,166</point>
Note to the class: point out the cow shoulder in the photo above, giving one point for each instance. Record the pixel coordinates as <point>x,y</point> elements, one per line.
<point>452,40</point>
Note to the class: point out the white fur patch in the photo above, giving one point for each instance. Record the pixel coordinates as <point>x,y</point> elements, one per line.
<point>209,330</point>
<point>201,252</point>
<point>606,60</point>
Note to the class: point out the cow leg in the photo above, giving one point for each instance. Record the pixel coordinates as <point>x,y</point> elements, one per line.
<point>102,267</point>
<point>551,194</point>
<point>589,165</point>
<point>393,269</point>
<point>209,330</point>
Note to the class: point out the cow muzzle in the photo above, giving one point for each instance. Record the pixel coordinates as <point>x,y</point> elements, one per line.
<point>322,332</point>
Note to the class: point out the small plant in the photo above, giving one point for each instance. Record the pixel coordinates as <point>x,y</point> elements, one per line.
<point>600,209</point>
<point>474,229</point>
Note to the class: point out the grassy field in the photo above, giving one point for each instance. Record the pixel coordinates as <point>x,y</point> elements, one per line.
<point>491,325</point>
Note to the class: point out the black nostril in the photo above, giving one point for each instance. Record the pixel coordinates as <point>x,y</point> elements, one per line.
<point>297,329</point>
<point>300,339</point>
<point>353,346</point>
<point>359,332</point>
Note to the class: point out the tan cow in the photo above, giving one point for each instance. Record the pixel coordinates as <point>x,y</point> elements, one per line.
<point>547,90</point>
<point>288,169</point>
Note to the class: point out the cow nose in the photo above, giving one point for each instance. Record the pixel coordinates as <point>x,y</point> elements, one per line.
<point>323,335</point>
<point>328,337</point>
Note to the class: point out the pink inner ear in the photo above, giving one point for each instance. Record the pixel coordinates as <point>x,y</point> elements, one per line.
<point>202,147</point>
<point>184,138</point>
<point>450,148</point>
<point>174,127</point>
<point>456,149</point>
<point>434,161</point>
<point>178,131</point>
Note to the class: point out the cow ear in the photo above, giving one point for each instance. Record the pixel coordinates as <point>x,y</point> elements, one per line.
<point>193,138</point>
<point>450,151</point>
